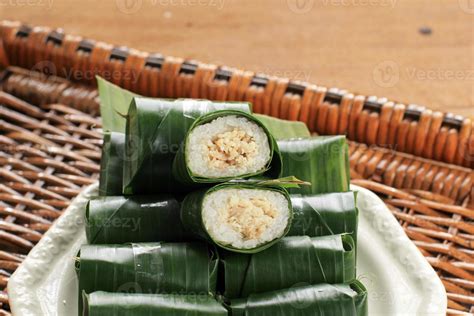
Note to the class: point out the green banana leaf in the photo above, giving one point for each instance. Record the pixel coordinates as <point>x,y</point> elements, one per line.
<point>155,268</point>
<point>111,164</point>
<point>324,214</point>
<point>315,300</point>
<point>121,219</point>
<point>283,129</point>
<point>126,304</point>
<point>182,173</point>
<point>327,259</point>
<point>191,213</point>
<point>154,133</point>
<point>114,103</point>
<point>323,161</point>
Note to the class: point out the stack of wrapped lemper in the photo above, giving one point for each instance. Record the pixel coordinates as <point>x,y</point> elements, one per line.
<point>191,221</point>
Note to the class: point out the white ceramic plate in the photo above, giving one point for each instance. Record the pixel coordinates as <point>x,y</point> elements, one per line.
<point>399,280</point>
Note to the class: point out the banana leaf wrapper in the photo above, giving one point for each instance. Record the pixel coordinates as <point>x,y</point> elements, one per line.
<point>155,131</point>
<point>114,104</point>
<point>124,219</point>
<point>324,214</point>
<point>323,161</point>
<point>125,304</point>
<point>153,268</point>
<point>315,300</point>
<point>283,129</point>
<point>111,164</point>
<point>184,175</point>
<point>293,260</point>
<point>192,218</point>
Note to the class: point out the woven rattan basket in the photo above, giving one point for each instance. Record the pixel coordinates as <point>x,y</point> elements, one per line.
<point>418,161</point>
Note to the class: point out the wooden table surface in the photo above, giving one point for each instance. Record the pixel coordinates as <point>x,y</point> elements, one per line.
<point>412,51</point>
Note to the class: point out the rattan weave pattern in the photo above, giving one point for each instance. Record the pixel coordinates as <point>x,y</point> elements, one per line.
<point>50,142</point>
<point>407,128</point>
<point>48,154</point>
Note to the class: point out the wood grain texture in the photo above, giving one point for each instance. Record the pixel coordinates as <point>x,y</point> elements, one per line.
<point>372,47</point>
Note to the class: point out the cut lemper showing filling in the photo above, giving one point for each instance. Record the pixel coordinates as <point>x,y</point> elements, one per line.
<point>228,146</point>
<point>245,218</point>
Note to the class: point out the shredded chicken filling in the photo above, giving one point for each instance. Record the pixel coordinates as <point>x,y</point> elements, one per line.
<point>232,148</point>
<point>249,217</point>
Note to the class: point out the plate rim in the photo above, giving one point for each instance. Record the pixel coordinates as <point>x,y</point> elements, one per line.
<point>62,234</point>
<point>434,297</point>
